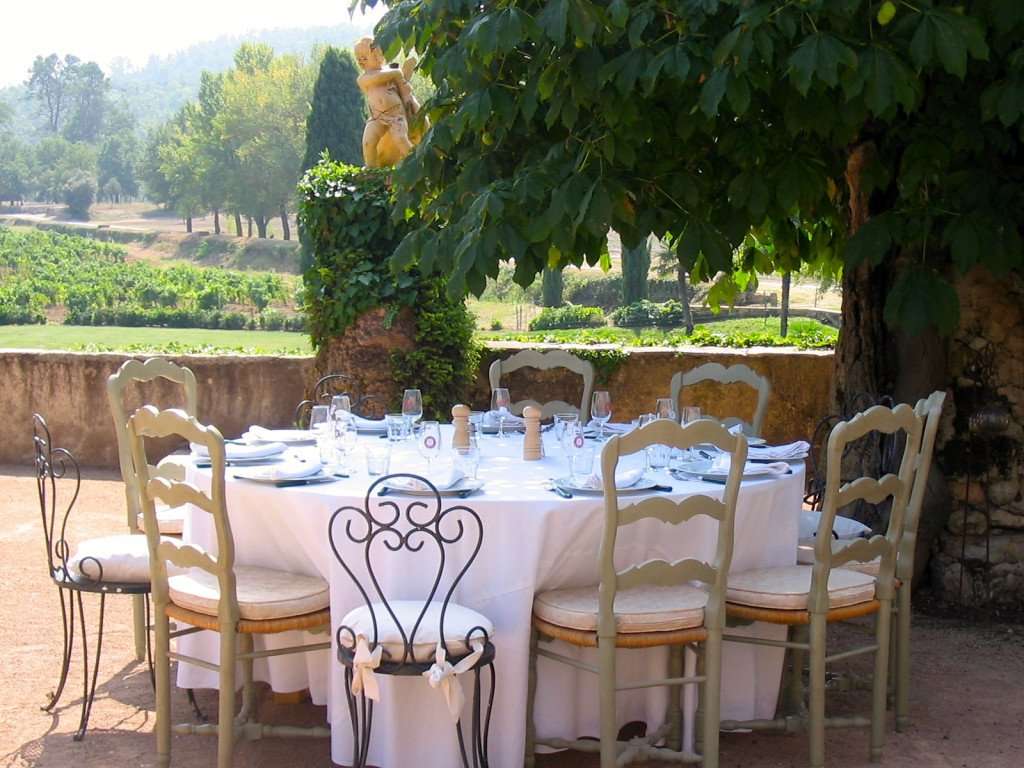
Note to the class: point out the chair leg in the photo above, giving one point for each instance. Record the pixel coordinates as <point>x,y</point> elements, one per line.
<point>357,712</point>
<point>606,686</point>
<point>89,691</point>
<point>674,715</point>
<point>226,700</point>
<point>163,688</point>
<point>712,696</point>
<point>816,720</point>
<point>794,704</point>
<point>530,759</point>
<point>880,683</point>
<point>67,617</point>
<point>140,625</point>
<point>248,711</point>
<point>698,715</point>
<point>902,659</point>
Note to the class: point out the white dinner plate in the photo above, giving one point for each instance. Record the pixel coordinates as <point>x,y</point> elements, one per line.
<point>466,485</point>
<point>702,468</point>
<point>640,486</point>
<point>204,461</point>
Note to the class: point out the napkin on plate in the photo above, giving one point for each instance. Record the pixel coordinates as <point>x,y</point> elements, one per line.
<point>289,470</point>
<point>442,481</point>
<point>235,451</point>
<point>624,479</point>
<point>721,463</point>
<point>491,419</point>
<point>264,435</point>
<point>369,425</point>
<point>787,452</point>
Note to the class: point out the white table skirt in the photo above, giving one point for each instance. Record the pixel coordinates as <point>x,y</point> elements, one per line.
<point>533,540</point>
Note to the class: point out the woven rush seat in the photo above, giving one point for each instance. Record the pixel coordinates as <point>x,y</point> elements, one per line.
<point>646,608</point>
<point>459,621</point>
<point>170,520</point>
<point>263,593</point>
<point>788,588</point>
<point>805,556</point>
<point>123,558</point>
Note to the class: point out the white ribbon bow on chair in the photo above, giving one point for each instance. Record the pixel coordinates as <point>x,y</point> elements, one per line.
<point>443,675</point>
<point>363,663</point>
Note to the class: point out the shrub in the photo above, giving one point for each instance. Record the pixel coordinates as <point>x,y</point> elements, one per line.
<point>605,291</point>
<point>647,313</point>
<point>79,194</point>
<point>11,315</point>
<point>569,316</point>
<point>496,324</point>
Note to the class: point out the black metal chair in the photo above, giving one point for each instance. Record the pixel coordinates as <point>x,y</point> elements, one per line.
<point>437,639</point>
<point>107,565</point>
<point>337,384</point>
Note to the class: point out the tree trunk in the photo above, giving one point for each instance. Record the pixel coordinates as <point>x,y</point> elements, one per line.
<point>261,226</point>
<point>684,298</point>
<point>784,314</point>
<point>248,221</point>
<point>188,224</point>
<point>284,224</point>
<point>238,224</point>
<point>551,288</point>
<point>216,221</point>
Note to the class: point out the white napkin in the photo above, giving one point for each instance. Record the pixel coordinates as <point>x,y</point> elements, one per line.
<point>624,478</point>
<point>722,463</point>
<point>787,452</point>
<point>234,451</point>
<point>491,419</point>
<point>369,425</point>
<point>843,527</point>
<point>288,470</point>
<point>442,481</point>
<point>264,435</point>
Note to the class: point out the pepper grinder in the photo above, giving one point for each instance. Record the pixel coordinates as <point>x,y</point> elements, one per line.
<point>532,448</point>
<point>460,420</point>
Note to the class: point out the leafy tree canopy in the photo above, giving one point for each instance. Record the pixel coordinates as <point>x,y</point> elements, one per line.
<point>712,122</point>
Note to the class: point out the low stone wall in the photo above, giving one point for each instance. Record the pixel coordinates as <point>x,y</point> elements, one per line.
<point>69,389</point>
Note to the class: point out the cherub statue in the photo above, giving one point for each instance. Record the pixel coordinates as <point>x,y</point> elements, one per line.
<point>386,137</point>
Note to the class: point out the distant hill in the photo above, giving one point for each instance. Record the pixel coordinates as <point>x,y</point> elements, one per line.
<point>157,90</point>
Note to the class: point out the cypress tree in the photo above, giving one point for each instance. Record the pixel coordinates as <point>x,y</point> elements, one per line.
<point>636,264</point>
<point>551,287</point>
<point>338,112</point>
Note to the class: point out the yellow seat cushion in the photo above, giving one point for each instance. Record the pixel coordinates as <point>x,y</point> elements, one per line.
<point>263,593</point>
<point>787,588</point>
<point>646,608</point>
<point>805,556</point>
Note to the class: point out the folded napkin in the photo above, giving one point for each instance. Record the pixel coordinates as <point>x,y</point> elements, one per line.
<point>842,527</point>
<point>625,478</point>
<point>235,451</point>
<point>722,463</point>
<point>263,435</point>
<point>736,429</point>
<point>288,470</point>
<point>369,425</point>
<point>442,481</point>
<point>491,419</point>
<point>609,428</point>
<point>787,452</point>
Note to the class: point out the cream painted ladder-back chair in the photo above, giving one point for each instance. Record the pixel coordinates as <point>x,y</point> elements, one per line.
<point>800,596</point>
<point>171,519</point>
<point>544,361</point>
<point>215,594</point>
<point>734,374</point>
<point>648,605</point>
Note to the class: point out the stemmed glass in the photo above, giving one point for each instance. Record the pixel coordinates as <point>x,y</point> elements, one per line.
<point>412,408</point>
<point>429,442</point>
<point>340,404</point>
<point>319,421</point>
<point>346,437</point>
<point>691,413</point>
<point>501,401</point>
<point>601,410</point>
<point>564,422</point>
<point>666,409</point>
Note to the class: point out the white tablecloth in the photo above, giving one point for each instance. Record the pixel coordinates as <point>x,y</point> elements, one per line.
<point>533,540</point>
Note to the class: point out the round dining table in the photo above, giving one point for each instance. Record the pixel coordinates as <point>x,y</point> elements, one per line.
<point>533,540</point>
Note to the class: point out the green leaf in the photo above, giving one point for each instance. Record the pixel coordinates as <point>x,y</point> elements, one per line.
<point>738,93</point>
<point>712,91</point>
<point>553,20</point>
<point>870,243</point>
<point>618,13</point>
<point>919,299</point>
<point>819,55</point>
<point>961,237</point>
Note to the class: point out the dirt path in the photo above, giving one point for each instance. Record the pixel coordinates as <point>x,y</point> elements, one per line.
<point>967,703</point>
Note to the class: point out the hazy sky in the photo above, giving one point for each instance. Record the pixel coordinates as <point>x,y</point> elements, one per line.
<point>102,30</point>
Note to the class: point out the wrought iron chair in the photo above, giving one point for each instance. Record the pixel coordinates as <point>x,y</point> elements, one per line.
<point>327,387</point>
<point>433,638</point>
<point>651,604</point>
<point>170,519</point>
<point>104,566</point>
<point>558,358</point>
<point>734,374</point>
<point>810,598</point>
<point>215,594</point>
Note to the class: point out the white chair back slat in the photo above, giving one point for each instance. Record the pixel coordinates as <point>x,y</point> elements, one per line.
<point>545,361</point>
<point>734,374</point>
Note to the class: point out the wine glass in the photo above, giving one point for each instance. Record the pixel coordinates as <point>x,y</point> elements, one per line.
<point>601,410</point>
<point>412,408</point>
<point>562,426</point>
<point>666,409</point>
<point>578,451</point>
<point>467,459</point>
<point>346,437</point>
<point>691,413</point>
<point>340,404</point>
<point>501,401</point>
<point>428,442</point>
<point>319,421</point>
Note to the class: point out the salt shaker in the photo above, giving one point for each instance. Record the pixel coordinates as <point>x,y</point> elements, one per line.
<point>460,420</point>
<point>532,448</point>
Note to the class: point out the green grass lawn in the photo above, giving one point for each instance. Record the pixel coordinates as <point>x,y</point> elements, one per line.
<point>174,340</point>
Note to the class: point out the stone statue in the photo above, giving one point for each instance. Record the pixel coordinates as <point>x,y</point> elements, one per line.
<point>386,137</point>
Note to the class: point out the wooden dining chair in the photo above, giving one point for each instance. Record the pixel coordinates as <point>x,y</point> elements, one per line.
<point>108,565</point>
<point>546,361</point>
<point>205,591</point>
<point>171,519</point>
<point>432,637</point>
<point>828,591</point>
<point>734,374</point>
<point>647,605</point>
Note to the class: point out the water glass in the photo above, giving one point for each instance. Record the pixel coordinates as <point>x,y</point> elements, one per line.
<point>666,409</point>
<point>467,460</point>
<point>658,456</point>
<point>346,437</point>
<point>412,408</point>
<point>428,442</point>
<point>564,422</point>
<point>691,413</point>
<point>582,462</point>
<point>319,423</point>
<point>476,422</point>
<point>378,459</point>
<point>396,425</point>
<point>501,401</point>
<point>340,404</point>
<point>601,409</point>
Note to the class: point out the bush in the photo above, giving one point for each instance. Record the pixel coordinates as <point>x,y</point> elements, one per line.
<point>11,315</point>
<point>569,316</point>
<point>605,291</point>
<point>80,194</point>
<point>647,313</point>
<point>496,324</point>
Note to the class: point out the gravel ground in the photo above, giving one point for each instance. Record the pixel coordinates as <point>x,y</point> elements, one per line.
<point>967,706</point>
